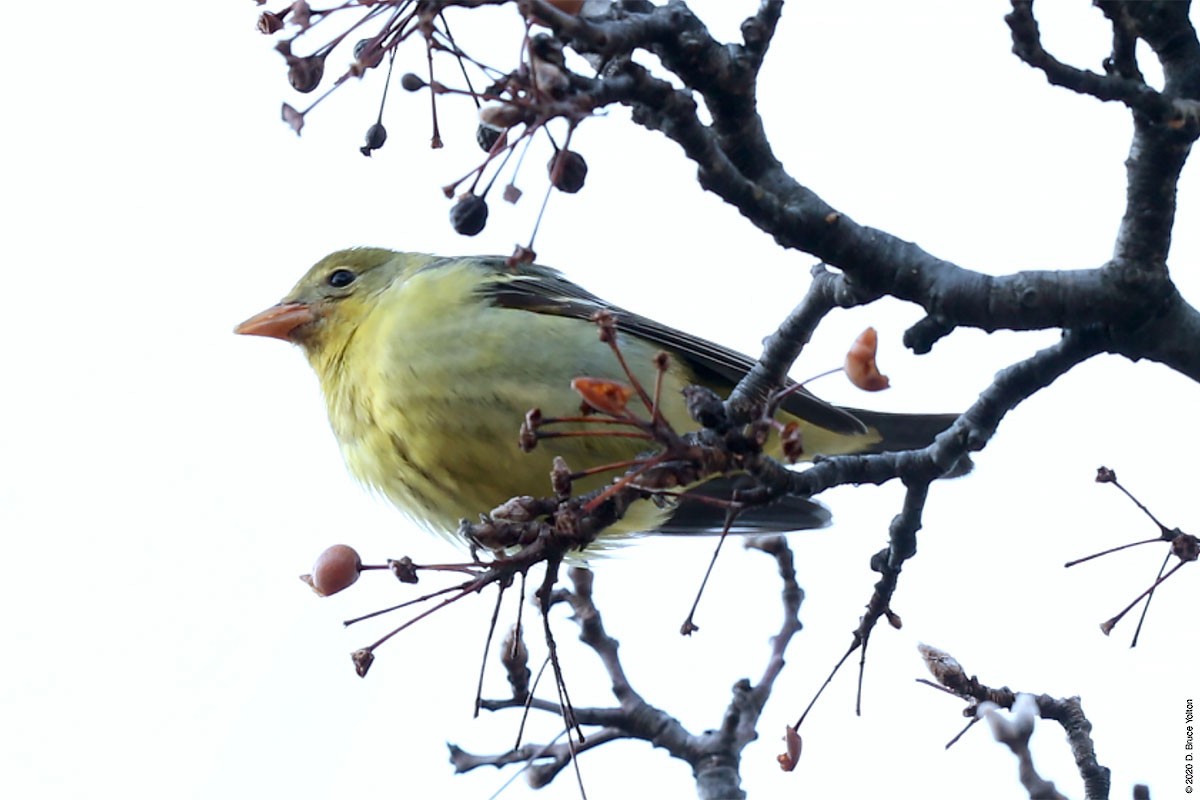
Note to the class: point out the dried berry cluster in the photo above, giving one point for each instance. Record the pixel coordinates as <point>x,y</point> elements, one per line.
<point>514,105</point>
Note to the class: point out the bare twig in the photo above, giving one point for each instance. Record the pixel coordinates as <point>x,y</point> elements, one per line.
<point>1066,712</point>
<point>714,755</point>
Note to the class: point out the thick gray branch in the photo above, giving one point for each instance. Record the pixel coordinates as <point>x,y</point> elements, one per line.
<point>735,161</point>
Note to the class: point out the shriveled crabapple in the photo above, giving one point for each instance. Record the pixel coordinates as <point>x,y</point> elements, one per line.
<point>335,569</point>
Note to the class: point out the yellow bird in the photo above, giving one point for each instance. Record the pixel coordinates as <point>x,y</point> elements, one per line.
<point>429,364</point>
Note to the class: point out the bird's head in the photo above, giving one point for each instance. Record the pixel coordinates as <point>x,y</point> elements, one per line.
<point>324,307</point>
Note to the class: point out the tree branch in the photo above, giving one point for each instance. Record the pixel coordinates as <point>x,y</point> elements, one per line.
<point>780,350</point>
<point>1067,712</point>
<point>735,161</point>
<point>1133,92</point>
<point>713,755</point>
<point>970,432</point>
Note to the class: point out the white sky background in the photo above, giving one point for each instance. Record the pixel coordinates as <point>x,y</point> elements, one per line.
<point>162,481</point>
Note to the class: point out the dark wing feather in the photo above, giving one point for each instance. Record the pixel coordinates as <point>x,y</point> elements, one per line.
<point>700,511</point>
<point>545,291</point>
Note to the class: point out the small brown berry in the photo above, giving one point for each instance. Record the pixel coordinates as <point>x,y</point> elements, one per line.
<point>792,438</point>
<point>568,171</point>
<point>362,661</point>
<point>605,396</point>
<point>469,214</point>
<point>336,569</point>
<point>860,366</point>
<point>1185,547</point>
<point>791,757</point>
<point>305,73</point>
<point>269,23</point>
<point>376,136</point>
<point>487,136</point>
<point>367,55</point>
<point>411,82</point>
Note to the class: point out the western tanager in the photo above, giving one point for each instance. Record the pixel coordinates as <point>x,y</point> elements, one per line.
<point>429,364</point>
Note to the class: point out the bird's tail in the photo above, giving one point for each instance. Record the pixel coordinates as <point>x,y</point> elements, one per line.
<point>701,509</point>
<point>907,432</point>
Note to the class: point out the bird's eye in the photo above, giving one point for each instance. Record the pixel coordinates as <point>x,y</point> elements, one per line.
<point>341,278</point>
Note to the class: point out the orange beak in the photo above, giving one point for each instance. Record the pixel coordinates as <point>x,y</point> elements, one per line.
<point>279,321</point>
